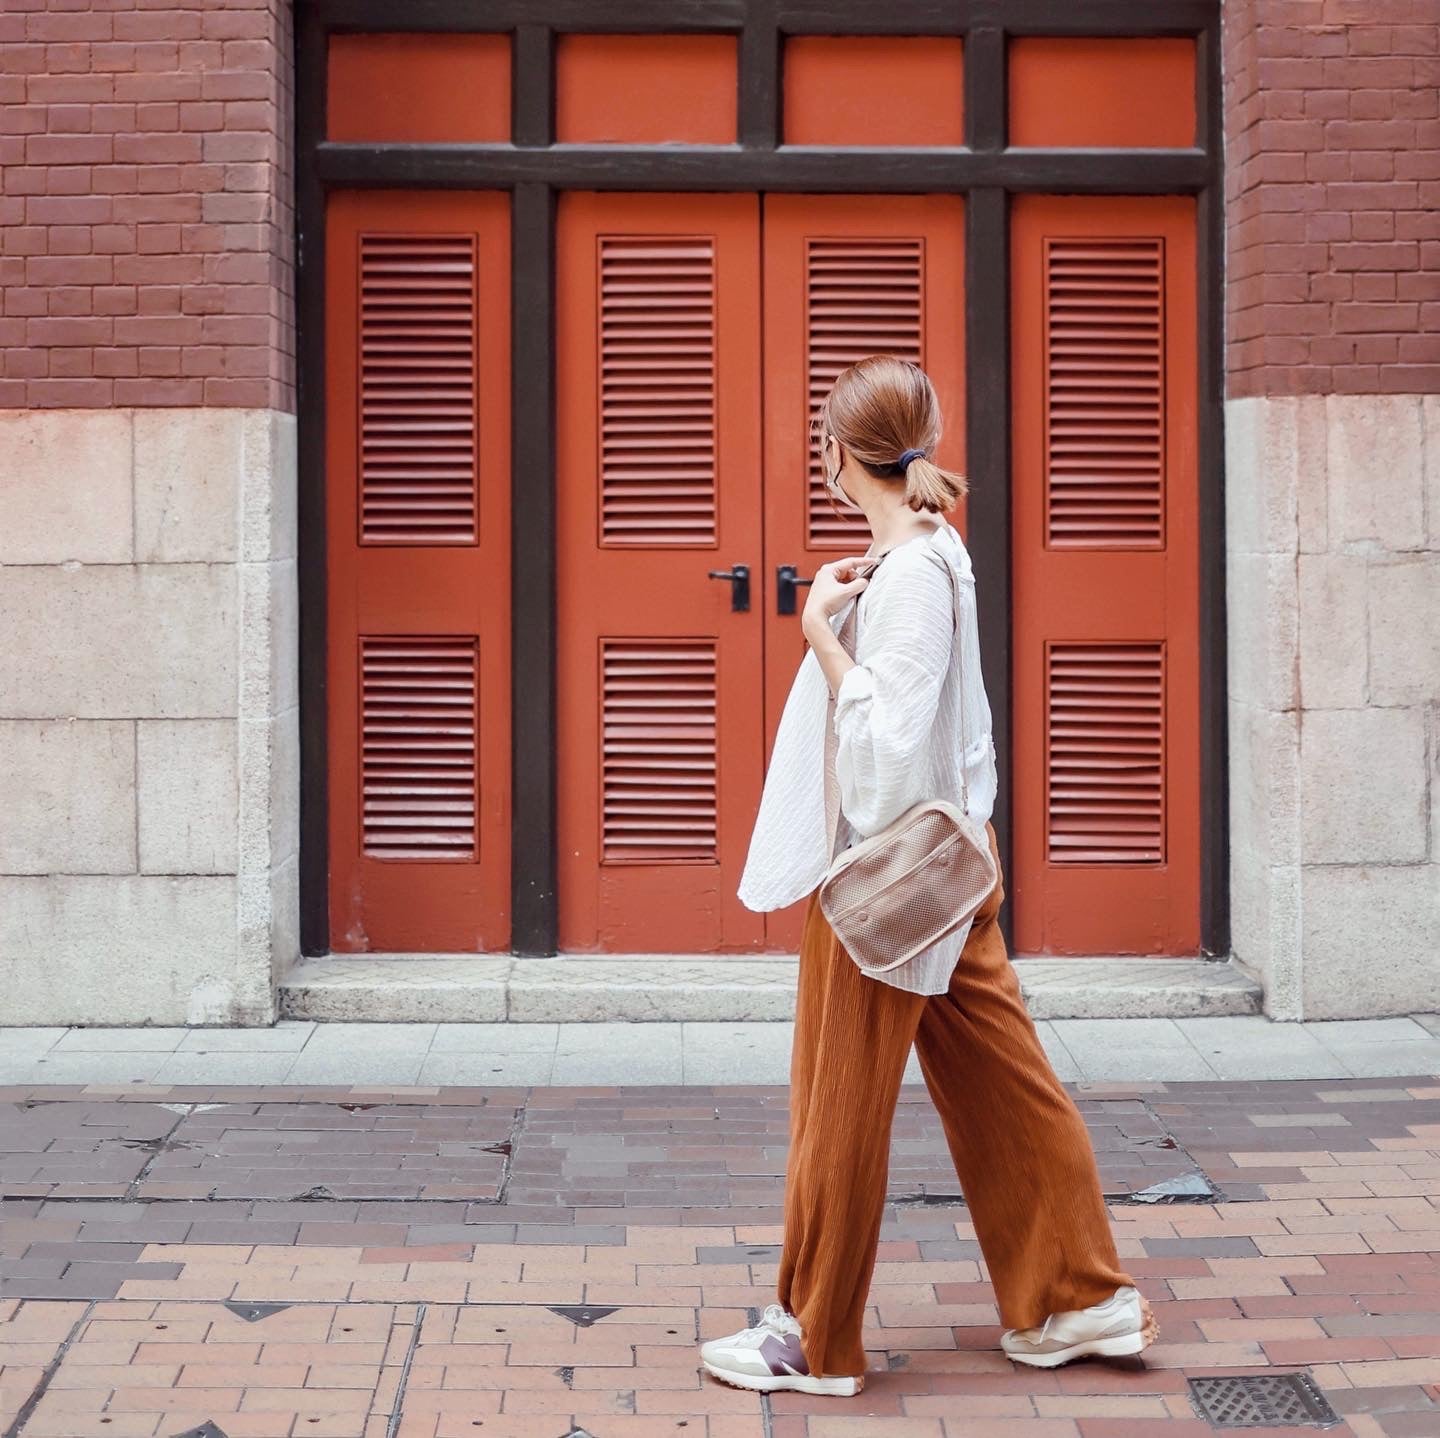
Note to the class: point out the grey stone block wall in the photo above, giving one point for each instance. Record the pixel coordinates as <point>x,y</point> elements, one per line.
<point>149,745</point>
<point>1333,593</point>
<point>149,740</point>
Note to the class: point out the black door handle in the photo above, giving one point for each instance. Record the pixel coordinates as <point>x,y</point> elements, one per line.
<point>787,580</point>
<point>739,577</point>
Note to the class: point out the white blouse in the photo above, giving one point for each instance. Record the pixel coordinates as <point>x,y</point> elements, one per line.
<point>898,727</point>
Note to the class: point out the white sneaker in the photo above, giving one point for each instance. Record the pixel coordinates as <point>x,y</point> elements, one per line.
<point>1122,1325</point>
<point>769,1359</point>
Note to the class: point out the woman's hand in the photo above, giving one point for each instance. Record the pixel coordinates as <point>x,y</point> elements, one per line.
<point>833,584</point>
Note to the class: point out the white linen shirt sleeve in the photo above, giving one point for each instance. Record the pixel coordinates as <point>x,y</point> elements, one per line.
<point>885,706</point>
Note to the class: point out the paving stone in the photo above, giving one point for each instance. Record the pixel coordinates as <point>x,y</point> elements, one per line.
<point>99,1066</point>
<point>378,1070</point>
<point>287,1036</point>
<point>225,1067</point>
<point>484,1039</point>
<point>28,1043</point>
<point>131,1040</point>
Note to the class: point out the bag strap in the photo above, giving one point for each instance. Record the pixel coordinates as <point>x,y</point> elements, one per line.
<point>832,743</point>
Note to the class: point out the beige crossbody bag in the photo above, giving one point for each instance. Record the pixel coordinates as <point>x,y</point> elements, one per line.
<point>921,877</point>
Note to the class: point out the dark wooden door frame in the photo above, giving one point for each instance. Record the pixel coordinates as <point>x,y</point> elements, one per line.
<point>534,168</point>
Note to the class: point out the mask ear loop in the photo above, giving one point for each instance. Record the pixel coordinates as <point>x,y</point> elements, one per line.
<point>832,483</point>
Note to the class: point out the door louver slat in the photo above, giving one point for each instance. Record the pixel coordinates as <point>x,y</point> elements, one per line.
<point>417,389</point>
<point>863,296</point>
<point>658,751</point>
<point>657,391</point>
<point>1105,753</point>
<point>418,747</point>
<point>1105,393</point>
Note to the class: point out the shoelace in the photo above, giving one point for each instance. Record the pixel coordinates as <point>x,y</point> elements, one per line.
<point>774,1318</point>
<point>1050,1318</point>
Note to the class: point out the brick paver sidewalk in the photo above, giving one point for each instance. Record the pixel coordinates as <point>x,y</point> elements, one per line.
<point>487,1263</point>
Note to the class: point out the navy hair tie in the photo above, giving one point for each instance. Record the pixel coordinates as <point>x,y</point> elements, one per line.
<point>904,460</point>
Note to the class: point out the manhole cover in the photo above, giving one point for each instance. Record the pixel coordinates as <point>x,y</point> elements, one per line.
<point>1263,1400</point>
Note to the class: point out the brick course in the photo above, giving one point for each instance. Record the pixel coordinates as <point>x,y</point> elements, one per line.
<point>145,213</point>
<point>1332,132</point>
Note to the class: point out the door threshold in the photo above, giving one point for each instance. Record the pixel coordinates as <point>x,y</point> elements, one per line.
<point>706,988</point>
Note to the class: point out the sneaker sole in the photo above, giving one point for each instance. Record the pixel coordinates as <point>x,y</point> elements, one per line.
<point>787,1382</point>
<point>1124,1345</point>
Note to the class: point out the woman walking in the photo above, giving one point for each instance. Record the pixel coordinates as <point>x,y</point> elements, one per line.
<point>905,729</point>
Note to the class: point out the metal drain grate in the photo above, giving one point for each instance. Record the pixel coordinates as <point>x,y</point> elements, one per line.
<point>1263,1400</point>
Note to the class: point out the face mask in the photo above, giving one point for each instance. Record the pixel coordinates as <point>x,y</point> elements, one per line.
<point>832,483</point>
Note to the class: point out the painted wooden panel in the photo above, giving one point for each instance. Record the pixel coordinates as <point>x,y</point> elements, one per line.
<point>874,90</point>
<point>1106,748</point>
<point>1102,91</point>
<point>405,87</point>
<point>659,679</point>
<point>417,533</point>
<point>637,89</point>
<point>845,276</point>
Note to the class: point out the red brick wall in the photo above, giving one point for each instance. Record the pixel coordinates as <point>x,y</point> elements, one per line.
<point>1332,133</point>
<point>145,220</point>
<point>145,213</point>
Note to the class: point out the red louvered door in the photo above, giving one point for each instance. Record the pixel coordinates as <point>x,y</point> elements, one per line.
<point>845,277</point>
<point>668,694</point>
<point>1106,756</point>
<point>417,533</point>
<point>670,698</point>
<point>659,679</point>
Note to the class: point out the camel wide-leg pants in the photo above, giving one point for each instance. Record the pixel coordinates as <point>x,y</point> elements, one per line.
<point>1020,1147</point>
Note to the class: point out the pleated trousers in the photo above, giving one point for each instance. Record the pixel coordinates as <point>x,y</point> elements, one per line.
<point>1021,1151</point>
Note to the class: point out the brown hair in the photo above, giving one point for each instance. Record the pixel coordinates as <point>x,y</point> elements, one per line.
<point>880,408</point>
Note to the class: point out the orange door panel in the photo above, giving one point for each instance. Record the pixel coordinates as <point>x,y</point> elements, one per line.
<point>660,717</point>
<point>1106,757</point>
<point>418,545</point>
<point>845,277</point>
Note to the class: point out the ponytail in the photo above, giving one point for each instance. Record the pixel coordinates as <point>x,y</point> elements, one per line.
<point>885,412</point>
<point>927,486</point>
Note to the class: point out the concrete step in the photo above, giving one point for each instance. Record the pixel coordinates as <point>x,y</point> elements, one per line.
<point>1136,988</point>
<point>485,988</point>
